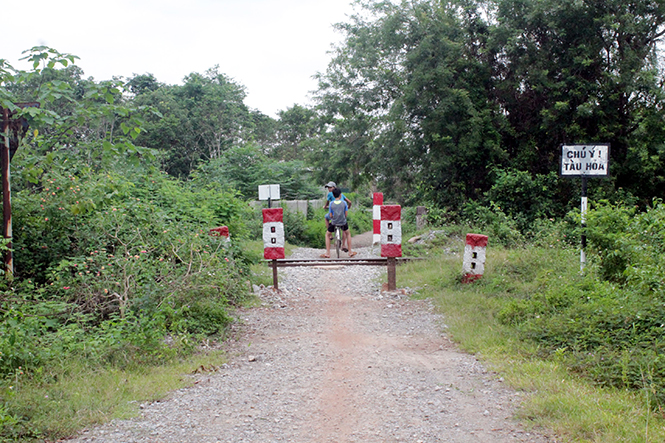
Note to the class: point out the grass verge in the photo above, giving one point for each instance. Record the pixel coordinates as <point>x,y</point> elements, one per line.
<point>77,396</point>
<point>556,400</point>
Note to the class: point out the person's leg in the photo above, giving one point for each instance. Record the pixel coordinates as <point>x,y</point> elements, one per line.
<point>347,235</point>
<point>345,242</point>
<point>328,242</point>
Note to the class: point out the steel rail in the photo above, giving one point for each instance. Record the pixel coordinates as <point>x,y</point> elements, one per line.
<point>376,261</point>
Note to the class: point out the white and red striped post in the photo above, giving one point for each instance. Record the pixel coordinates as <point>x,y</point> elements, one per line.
<point>474,257</point>
<point>376,216</point>
<point>273,238</point>
<point>222,231</point>
<point>391,240</point>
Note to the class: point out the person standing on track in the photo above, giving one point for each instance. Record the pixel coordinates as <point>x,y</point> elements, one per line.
<point>329,198</point>
<point>338,211</point>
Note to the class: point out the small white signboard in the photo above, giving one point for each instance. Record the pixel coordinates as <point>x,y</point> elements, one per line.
<point>585,160</point>
<point>268,192</point>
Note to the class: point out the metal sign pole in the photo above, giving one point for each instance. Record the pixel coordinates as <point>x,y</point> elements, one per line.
<point>584,161</point>
<point>583,210</point>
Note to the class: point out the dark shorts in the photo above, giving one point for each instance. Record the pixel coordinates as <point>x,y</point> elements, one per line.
<point>331,228</point>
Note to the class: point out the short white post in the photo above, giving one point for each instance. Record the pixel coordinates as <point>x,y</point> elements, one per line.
<point>474,257</point>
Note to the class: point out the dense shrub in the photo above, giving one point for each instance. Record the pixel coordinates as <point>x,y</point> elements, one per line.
<point>608,325</point>
<point>125,251</point>
<point>492,221</point>
<point>525,197</point>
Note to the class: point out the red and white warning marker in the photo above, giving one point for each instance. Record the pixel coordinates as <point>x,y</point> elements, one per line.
<point>391,231</point>
<point>273,233</point>
<point>474,256</point>
<point>376,217</point>
<point>222,231</point>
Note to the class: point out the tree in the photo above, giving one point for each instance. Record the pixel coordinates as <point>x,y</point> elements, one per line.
<point>411,82</point>
<point>201,120</point>
<point>570,72</point>
<point>434,95</point>
<point>140,84</point>
<point>295,129</point>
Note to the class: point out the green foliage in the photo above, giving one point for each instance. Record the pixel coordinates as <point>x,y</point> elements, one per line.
<point>524,197</point>
<point>607,325</point>
<point>493,222</point>
<point>296,132</point>
<point>245,168</point>
<point>456,101</point>
<point>114,265</point>
<point>629,244</point>
<point>198,121</point>
<point>301,231</point>
<point>607,225</point>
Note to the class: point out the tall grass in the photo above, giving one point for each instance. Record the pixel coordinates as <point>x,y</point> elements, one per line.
<point>559,397</point>
<point>78,395</point>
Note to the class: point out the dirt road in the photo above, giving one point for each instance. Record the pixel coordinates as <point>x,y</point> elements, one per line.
<point>333,359</point>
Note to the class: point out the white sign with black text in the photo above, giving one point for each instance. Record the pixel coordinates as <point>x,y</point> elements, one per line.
<point>585,160</point>
<point>268,192</point>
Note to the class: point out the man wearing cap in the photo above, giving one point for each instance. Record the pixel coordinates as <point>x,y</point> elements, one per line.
<point>329,187</point>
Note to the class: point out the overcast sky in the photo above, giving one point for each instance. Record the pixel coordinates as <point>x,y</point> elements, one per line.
<point>272,47</point>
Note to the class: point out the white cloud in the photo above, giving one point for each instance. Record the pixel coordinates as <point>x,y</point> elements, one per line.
<point>273,48</point>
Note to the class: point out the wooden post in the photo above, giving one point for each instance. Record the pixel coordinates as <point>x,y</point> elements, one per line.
<point>6,194</point>
<point>275,282</point>
<point>392,274</point>
<point>421,213</point>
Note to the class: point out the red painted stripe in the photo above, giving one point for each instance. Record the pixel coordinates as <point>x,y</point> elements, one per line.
<point>222,231</point>
<point>391,212</point>
<point>377,226</point>
<point>273,253</point>
<point>391,250</point>
<point>470,278</point>
<point>378,198</point>
<point>474,240</point>
<point>273,215</point>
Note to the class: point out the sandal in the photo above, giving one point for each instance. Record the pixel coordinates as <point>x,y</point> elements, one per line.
<point>325,256</point>
<point>351,254</point>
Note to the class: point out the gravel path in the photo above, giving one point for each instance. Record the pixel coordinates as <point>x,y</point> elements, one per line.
<point>333,359</point>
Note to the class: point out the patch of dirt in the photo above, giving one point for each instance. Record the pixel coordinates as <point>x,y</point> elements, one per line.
<point>328,359</point>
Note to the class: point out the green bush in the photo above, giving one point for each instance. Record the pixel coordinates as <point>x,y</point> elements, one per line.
<point>609,324</point>
<point>493,222</point>
<point>607,226</point>
<point>525,197</point>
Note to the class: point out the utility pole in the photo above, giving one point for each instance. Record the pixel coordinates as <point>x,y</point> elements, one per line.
<point>12,129</point>
<point>6,194</point>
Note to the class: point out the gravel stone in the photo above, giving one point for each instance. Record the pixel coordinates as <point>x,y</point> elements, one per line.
<point>332,358</point>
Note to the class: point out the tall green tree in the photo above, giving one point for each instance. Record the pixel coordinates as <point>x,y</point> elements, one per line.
<point>296,129</point>
<point>435,95</point>
<point>581,71</point>
<point>201,119</point>
<point>411,82</point>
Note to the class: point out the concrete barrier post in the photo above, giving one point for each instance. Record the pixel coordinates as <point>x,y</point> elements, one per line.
<point>474,257</point>
<point>273,239</point>
<point>391,240</point>
<point>376,217</point>
<point>222,231</point>
<point>273,233</point>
